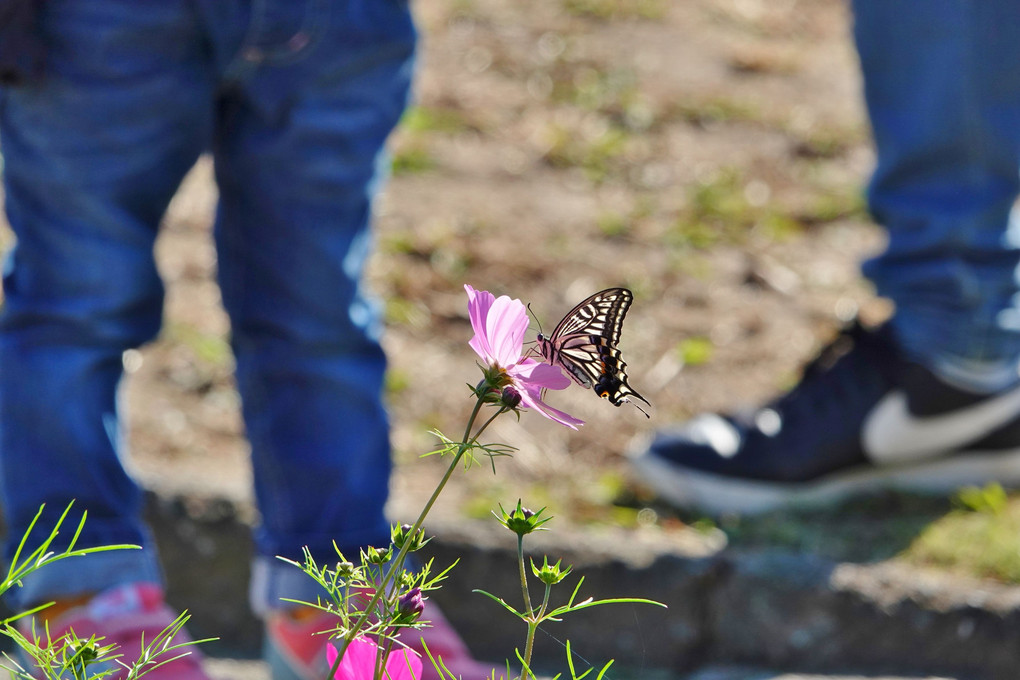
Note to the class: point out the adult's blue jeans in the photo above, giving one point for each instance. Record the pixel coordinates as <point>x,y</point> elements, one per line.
<point>942,86</point>
<point>294,98</point>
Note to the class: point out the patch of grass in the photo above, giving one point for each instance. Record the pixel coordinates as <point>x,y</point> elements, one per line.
<point>209,348</point>
<point>975,532</point>
<point>412,160</point>
<point>721,199</point>
<point>396,381</point>
<point>717,212</point>
<point>420,119</point>
<point>865,529</point>
<point>690,233</point>
<point>979,537</point>
<point>714,110</point>
<point>778,226</point>
<point>398,243</point>
<point>695,351</point>
<point>826,142</point>
<point>596,155</point>
<point>606,10</point>
<point>720,211</point>
<point>404,312</point>
<point>595,89</point>
<point>612,225</point>
<point>830,206</point>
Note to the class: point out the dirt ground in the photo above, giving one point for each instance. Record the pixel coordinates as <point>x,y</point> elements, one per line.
<point>708,154</point>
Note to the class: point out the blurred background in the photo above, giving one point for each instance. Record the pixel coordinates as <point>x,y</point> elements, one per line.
<point>708,154</point>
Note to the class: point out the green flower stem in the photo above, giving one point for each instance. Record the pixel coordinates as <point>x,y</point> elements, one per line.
<point>524,576</point>
<point>545,603</point>
<point>399,560</point>
<point>381,658</point>
<point>531,619</point>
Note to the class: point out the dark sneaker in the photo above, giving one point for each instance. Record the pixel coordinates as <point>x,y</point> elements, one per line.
<point>861,419</point>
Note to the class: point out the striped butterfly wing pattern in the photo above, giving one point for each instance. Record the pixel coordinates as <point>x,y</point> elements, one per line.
<point>584,344</point>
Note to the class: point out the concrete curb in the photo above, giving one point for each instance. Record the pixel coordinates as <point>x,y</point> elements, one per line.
<point>766,608</point>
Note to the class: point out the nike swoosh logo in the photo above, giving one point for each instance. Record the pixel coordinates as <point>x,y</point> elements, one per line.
<point>891,434</point>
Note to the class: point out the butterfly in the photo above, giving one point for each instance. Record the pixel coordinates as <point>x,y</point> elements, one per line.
<point>584,345</point>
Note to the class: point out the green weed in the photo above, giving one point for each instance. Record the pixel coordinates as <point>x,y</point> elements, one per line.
<point>411,161</point>
<point>617,9</point>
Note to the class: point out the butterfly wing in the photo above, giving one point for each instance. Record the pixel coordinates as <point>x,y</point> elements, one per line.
<point>584,344</point>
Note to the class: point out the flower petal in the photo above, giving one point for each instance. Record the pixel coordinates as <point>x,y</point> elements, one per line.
<point>541,374</point>
<point>403,664</point>
<point>358,661</point>
<point>533,400</point>
<point>505,328</point>
<point>479,304</point>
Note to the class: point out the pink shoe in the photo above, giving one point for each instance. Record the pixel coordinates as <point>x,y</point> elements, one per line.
<point>295,649</point>
<point>124,616</point>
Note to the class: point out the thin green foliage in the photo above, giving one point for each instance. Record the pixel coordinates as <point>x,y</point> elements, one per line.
<point>67,655</point>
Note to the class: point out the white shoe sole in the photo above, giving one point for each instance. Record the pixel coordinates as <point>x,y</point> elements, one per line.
<point>719,495</point>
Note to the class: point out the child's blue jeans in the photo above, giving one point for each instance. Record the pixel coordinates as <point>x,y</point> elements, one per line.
<point>294,99</point>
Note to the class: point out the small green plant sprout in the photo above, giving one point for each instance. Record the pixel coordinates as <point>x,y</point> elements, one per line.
<point>67,655</point>
<point>520,520</point>
<point>549,575</point>
<point>22,564</point>
<point>990,499</point>
<point>573,671</point>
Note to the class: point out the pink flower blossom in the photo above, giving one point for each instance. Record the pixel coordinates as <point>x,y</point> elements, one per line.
<point>359,662</point>
<point>499,325</point>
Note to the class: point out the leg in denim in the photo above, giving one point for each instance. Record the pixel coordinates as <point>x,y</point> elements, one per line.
<point>299,154</point>
<point>943,93</point>
<point>92,155</point>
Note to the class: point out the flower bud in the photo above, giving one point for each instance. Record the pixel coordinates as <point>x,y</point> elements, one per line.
<point>410,606</point>
<point>374,555</point>
<point>520,520</point>
<point>399,535</point>
<point>83,651</point>
<point>345,570</point>
<point>511,398</point>
<point>550,574</point>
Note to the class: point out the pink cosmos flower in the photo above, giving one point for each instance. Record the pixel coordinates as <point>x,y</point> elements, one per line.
<point>359,662</point>
<point>499,325</point>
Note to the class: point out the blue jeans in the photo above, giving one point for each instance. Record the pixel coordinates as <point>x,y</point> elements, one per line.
<point>294,98</point>
<point>942,85</point>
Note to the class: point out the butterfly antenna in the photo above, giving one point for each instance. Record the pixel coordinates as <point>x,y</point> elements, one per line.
<point>535,317</point>
<point>531,350</point>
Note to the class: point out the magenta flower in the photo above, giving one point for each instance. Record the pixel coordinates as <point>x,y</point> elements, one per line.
<point>359,662</point>
<point>499,325</point>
